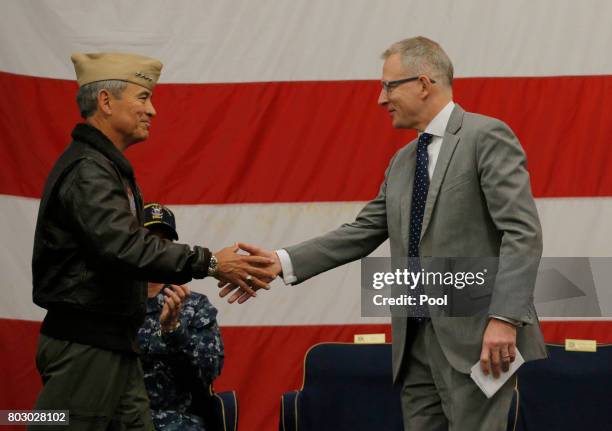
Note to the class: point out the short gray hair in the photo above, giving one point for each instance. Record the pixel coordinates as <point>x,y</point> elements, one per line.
<point>423,56</point>
<point>87,96</point>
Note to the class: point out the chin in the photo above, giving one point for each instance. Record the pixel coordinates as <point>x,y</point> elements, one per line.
<point>139,138</point>
<point>398,124</point>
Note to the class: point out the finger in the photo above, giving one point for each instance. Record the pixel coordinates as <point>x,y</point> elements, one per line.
<point>258,284</point>
<point>240,280</point>
<point>243,288</point>
<point>254,260</point>
<point>512,352</point>
<point>175,298</point>
<point>185,289</point>
<point>249,248</point>
<point>179,291</point>
<point>223,284</point>
<point>164,313</point>
<point>169,318</point>
<point>505,359</point>
<point>260,273</point>
<point>227,289</point>
<point>174,295</point>
<point>170,303</point>
<point>243,299</point>
<point>241,296</point>
<point>235,296</point>
<point>495,362</point>
<point>485,361</point>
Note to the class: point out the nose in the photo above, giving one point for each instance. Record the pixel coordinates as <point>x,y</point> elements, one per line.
<point>151,112</point>
<point>382,97</point>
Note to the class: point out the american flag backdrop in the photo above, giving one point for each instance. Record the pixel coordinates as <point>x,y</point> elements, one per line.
<point>268,131</point>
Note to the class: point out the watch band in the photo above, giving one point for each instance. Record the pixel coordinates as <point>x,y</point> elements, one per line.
<point>213,266</point>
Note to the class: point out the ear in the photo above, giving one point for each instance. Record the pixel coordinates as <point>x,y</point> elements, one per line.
<point>104,102</point>
<point>426,85</point>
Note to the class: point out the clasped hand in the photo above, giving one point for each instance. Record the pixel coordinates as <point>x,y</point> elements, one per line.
<point>263,266</point>
<point>245,273</point>
<point>174,297</point>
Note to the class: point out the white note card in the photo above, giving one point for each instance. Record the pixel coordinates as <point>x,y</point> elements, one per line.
<point>489,385</point>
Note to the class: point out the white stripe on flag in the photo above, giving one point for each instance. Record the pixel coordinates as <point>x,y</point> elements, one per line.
<point>572,227</point>
<point>275,40</point>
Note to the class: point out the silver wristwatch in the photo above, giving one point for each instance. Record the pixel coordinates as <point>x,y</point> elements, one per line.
<point>213,266</point>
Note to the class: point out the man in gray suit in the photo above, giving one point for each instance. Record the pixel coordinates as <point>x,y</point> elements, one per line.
<point>460,190</point>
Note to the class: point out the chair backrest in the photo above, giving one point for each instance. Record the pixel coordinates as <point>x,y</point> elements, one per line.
<point>567,391</point>
<point>349,386</point>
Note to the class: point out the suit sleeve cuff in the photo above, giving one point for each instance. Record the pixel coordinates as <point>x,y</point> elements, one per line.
<point>514,322</point>
<point>287,266</point>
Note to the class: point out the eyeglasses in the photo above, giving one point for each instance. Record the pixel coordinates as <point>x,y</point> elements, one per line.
<point>390,85</point>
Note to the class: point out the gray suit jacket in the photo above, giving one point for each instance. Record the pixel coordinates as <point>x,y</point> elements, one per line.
<point>479,205</point>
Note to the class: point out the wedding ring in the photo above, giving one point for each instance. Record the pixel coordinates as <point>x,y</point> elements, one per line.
<point>249,279</point>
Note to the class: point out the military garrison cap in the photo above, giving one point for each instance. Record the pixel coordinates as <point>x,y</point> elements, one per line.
<point>102,66</point>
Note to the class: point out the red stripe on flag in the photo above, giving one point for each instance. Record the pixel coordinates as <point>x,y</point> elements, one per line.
<point>306,141</point>
<point>261,362</point>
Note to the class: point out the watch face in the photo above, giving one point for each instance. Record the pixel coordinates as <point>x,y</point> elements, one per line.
<point>212,266</point>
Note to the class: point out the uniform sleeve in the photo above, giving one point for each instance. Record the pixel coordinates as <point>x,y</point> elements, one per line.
<point>197,341</point>
<point>153,342</point>
<point>204,346</point>
<point>97,204</point>
<point>149,336</point>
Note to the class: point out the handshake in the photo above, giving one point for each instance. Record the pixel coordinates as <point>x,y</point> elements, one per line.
<point>245,274</point>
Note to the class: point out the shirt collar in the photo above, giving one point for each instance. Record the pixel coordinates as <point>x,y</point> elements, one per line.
<point>437,126</point>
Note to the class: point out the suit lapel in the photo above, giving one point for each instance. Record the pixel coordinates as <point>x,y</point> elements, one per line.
<point>449,143</point>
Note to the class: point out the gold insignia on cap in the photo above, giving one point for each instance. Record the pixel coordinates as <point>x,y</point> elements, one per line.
<point>102,66</point>
<point>156,211</point>
<point>143,76</point>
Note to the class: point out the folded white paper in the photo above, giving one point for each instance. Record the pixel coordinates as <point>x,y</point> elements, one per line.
<point>489,384</point>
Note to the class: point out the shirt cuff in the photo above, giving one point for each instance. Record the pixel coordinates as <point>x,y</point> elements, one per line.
<point>514,322</point>
<point>286,265</point>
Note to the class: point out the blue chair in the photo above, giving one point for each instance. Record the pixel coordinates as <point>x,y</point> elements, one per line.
<point>219,410</point>
<point>567,391</point>
<point>349,387</point>
<point>346,387</point>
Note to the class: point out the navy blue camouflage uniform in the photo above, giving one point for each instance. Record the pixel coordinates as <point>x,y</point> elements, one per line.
<point>193,353</point>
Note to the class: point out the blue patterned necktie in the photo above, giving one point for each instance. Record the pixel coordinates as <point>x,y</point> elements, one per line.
<point>419,194</point>
<point>417,210</point>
